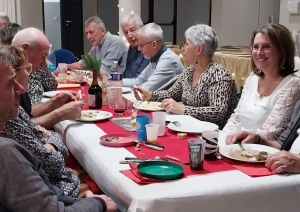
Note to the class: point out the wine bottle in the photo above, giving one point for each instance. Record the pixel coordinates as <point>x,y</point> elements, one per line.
<point>95,93</point>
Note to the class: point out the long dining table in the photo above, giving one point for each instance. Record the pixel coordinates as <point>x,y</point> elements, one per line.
<point>208,192</point>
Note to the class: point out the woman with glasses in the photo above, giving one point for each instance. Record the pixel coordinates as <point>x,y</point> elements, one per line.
<point>206,89</point>
<point>271,91</point>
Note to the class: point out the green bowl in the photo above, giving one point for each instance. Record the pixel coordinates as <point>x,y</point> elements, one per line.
<point>161,170</point>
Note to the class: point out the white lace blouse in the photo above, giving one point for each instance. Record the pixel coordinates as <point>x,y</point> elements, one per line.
<point>268,115</point>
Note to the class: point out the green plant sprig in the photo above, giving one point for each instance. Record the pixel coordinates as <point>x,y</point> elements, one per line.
<point>92,63</point>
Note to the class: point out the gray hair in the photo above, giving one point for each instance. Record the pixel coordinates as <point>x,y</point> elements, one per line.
<point>5,57</point>
<point>100,24</point>
<point>28,35</point>
<point>203,35</point>
<point>4,17</point>
<point>152,32</point>
<point>135,17</point>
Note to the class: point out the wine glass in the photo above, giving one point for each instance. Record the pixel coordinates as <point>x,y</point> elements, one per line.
<point>82,81</point>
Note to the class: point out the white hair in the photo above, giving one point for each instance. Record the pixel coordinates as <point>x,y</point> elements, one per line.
<point>138,21</point>
<point>152,32</point>
<point>100,24</point>
<point>28,35</point>
<point>203,35</point>
<point>4,18</point>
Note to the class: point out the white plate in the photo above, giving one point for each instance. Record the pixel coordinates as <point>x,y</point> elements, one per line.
<point>50,94</point>
<point>150,106</point>
<point>97,115</point>
<point>195,127</point>
<point>126,90</point>
<point>225,151</point>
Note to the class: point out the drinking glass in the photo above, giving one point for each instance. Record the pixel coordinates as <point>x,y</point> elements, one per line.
<point>119,108</point>
<point>82,81</point>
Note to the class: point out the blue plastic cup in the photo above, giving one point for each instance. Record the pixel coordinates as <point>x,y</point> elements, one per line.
<point>141,122</point>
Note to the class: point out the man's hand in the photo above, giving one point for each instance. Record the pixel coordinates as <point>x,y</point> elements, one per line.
<point>146,95</point>
<point>110,204</point>
<point>63,98</point>
<point>243,136</point>
<point>71,110</point>
<point>46,133</point>
<point>50,147</point>
<point>284,161</point>
<point>171,106</point>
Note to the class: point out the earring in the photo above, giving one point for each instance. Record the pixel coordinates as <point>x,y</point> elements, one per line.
<point>197,61</point>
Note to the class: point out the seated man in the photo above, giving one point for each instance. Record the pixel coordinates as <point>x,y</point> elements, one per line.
<point>49,113</point>
<point>282,161</point>
<point>136,62</point>
<point>164,67</point>
<point>24,186</point>
<point>106,46</point>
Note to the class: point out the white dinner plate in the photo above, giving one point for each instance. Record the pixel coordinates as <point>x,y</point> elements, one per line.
<point>195,127</point>
<point>50,94</point>
<point>94,115</point>
<point>126,90</point>
<point>226,151</point>
<point>147,106</point>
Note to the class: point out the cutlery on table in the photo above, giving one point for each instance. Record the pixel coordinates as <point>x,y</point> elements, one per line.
<point>176,159</point>
<point>241,145</point>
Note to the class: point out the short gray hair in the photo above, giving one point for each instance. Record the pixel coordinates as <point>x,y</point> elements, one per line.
<point>137,19</point>
<point>4,17</point>
<point>5,57</point>
<point>100,24</point>
<point>28,35</point>
<point>152,32</point>
<point>203,35</point>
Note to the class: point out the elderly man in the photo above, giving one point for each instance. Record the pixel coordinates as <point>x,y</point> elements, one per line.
<point>4,19</point>
<point>51,112</point>
<point>282,161</point>
<point>24,186</point>
<point>106,46</point>
<point>164,67</point>
<point>136,62</point>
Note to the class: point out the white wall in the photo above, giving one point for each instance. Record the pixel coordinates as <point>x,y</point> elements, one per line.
<point>89,9</point>
<point>292,22</point>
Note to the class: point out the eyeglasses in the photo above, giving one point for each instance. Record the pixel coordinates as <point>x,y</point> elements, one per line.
<point>142,45</point>
<point>27,67</point>
<point>262,48</point>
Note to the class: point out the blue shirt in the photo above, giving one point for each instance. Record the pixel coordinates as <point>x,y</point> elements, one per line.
<point>135,63</point>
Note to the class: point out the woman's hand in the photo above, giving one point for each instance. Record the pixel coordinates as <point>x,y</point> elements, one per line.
<point>146,95</point>
<point>46,133</point>
<point>172,106</point>
<point>243,136</point>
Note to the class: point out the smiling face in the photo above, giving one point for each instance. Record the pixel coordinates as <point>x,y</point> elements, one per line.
<point>129,32</point>
<point>10,93</point>
<point>264,54</point>
<point>94,34</point>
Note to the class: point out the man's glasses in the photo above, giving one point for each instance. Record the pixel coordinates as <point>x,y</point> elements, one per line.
<point>27,67</point>
<point>142,45</point>
<point>262,48</point>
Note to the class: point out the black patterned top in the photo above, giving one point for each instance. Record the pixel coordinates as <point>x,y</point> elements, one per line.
<point>213,98</point>
<point>39,82</point>
<point>24,131</point>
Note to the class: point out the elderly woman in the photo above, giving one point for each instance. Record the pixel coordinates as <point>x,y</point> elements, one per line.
<point>47,146</point>
<point>272,90</point>
<point>8,32</point>
<point>206,89</point>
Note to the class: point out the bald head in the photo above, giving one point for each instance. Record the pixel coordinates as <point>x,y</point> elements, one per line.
<point>36,45</point>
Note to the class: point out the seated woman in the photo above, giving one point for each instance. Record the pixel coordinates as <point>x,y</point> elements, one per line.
<point>206,89</point>
<point>47,146</point>
<point>272,90</point>
<point>8,32</point>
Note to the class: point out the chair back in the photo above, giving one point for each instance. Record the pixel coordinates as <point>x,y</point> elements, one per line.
<point>64,56</point>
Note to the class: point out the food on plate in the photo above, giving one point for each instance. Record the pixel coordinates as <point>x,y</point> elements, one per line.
<point>249,155</point>
<point>133,122</point>
<point>181,136</point>
<point>88,115</point>
<point>112,139</point>
<point>151,105</point>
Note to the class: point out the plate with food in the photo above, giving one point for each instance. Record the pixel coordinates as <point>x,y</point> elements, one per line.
<point>253,153</point>
<point>118,140</point>
<point>94,115</point>
<point>148,106</point>
<point>196,127</point>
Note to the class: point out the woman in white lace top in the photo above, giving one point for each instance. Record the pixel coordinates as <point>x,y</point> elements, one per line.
<point>272,90</point>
